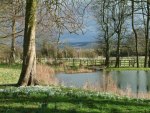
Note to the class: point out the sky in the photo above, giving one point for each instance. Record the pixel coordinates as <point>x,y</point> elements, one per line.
<point>90,31</point>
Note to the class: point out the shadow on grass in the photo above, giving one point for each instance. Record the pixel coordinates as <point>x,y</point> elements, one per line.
<point>42,105</point>
<point>11,109</point>
<point>8,85</point>
<point>12,66</point>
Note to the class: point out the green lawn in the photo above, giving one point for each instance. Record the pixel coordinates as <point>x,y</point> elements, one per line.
<point>9,74</point>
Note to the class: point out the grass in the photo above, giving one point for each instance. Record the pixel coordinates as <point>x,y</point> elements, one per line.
<point>63,100</point>
<point>9,74</point>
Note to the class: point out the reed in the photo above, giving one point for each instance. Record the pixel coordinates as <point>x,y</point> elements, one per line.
<point>45,75</point>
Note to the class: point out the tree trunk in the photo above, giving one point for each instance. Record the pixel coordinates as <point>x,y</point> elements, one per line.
<point>147,30</point>
<point>149,58</point>
<point>118,50</point>
<point>107,55</point>
<point>136,37</point>
<point>107,42</point>
<point>147,36</point>
<point>12,53</point>
<point>28,73</point>
<point>146,51</point>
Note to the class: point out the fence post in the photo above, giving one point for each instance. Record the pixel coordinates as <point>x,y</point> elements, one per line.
<point>95,62</point>
<point>120,63</point>
<point>80,62</point>
<point>73,61</point>
<point>87,62</point>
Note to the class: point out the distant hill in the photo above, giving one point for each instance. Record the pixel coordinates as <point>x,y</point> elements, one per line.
<point>81,44</point>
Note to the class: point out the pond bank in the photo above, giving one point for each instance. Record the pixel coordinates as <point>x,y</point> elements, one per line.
<point>73,70</point>
<point>126,68</point>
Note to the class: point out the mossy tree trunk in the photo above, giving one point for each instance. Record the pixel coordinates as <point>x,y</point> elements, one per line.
<point>28,73</point>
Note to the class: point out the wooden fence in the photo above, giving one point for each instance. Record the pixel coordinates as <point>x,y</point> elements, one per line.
<point>99,62</point>
<point>86,62</point>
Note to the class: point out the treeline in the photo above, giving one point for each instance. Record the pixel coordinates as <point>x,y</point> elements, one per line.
<point>51,51</point>
<point>123,28</point>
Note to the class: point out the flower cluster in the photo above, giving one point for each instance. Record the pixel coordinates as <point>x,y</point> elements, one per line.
<point>61,91</point>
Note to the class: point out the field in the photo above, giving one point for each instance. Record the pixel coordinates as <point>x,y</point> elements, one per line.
<point>58,99</point>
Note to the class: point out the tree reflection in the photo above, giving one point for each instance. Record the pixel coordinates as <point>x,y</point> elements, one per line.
<point>137,86</point>
<point>147,81</point>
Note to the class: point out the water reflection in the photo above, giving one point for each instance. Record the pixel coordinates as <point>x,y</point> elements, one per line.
<point>147,80</point>
<point>80,79</point>
<point>137,81</point>
<point>106,79</point>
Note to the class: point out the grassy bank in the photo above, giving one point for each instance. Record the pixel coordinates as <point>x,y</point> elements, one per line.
<point>63,100</point>
<point>124,69</point>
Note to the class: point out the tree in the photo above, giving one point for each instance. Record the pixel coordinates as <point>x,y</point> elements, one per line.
<point>111,18</point>
<point>141,42</point>
<point>136,36</point>
<point>145,15</point>
<point>147,30</point>
<point>11,23</point>
<point>119,9</point>
<point>16,13</point>
<point>28,73</point>
<point>103,16</point>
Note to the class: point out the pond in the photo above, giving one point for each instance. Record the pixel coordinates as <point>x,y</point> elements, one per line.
<point>137,81</point>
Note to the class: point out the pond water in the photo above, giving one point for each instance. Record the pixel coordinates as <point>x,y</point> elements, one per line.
<point>137,81</point>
